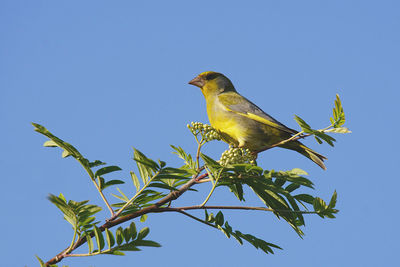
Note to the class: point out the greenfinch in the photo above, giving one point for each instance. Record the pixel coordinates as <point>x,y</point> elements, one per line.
<point>241,123</point>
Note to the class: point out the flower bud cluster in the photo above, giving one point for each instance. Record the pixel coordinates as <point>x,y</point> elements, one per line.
<point>235,155</point>
<point>206,131</point>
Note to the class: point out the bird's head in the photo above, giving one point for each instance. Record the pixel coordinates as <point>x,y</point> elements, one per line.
<point>212,83</point>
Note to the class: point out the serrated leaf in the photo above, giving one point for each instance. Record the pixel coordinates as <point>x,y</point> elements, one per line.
<point>143,233</point>
<point>105,170</point>
<point>135,180</point>
<point>110,238</point>
<point>99,238</point>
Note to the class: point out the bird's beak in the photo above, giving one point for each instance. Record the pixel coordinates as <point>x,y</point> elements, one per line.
<point>198,81</point>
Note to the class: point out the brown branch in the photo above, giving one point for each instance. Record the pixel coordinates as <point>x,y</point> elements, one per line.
<point>179,209</point>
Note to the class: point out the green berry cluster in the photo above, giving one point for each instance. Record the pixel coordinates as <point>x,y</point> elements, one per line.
<point>207,132</point>
<point>235,155</point>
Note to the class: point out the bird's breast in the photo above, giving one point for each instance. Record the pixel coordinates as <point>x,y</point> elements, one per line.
<point>226,122</point>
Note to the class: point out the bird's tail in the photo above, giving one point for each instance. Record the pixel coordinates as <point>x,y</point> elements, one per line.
<point>305,151</point>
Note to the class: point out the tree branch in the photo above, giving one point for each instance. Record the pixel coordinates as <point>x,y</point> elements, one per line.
<point>179,209</point>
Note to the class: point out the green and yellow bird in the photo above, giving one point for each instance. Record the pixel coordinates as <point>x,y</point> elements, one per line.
<point>241,123</point>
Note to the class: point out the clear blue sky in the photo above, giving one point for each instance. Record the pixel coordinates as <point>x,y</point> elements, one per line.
<point>107,76</point>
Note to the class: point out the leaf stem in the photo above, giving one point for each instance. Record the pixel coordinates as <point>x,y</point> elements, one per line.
<point>214,182</point>
<point>73,240</point>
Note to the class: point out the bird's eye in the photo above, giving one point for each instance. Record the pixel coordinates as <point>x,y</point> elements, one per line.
<point>211,76</point>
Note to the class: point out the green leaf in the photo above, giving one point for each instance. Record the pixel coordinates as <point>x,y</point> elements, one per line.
<point>127,235</point>
<point>210,162</point>
<point>89,241</point>
<point>338,130</point>
<point>110,238</point>
<point>120,236</point>
<point>99,238</point>
<point>105,170</point>
<point>144,170</point>
<point>96,163</point>
<point>332,203</point>
<point>41,262</point>
<point>139,157</point>
<point>133,230</point>
<point>129,247</point>
<point>50,143</point>
<point>143,233</point>
<point>187,158</point>
<point>292,187</point>
<point>304,126</point>
<point>116,252</point>
<point>305,198</point>
<point>112,182</point>
<point>325,137</point>
<point>65,154</point>
<point>135,180</point>
<point>338,113</point>
<point>219,218</point>
<point>68,212</point>
<point>147,243</point>
<point>66,146</point>
<point>298,171</point>
<point>162,186</point>
<point>123,195</point>
<point>318,139</point>
<point>143,218</point>
<point>161,163</point>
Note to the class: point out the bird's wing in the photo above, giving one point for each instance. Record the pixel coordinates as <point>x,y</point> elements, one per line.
<point>238,104</point>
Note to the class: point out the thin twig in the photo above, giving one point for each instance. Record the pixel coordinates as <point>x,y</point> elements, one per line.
<point>103,197</point>
<point>195,218</point>
<point>178,209</point>
<point>295,137</point>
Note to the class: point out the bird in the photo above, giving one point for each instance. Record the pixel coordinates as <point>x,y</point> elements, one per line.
<point>243,124</point>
